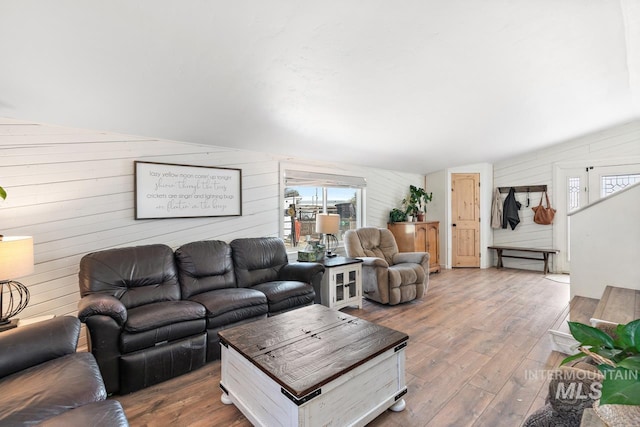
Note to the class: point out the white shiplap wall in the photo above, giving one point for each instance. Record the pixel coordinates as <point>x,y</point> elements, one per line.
<point>538,168</point>
<point>73,190</point>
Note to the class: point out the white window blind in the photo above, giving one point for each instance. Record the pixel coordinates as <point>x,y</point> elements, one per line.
<point>298,178</point>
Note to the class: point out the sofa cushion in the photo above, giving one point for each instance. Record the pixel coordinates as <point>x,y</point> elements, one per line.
<point>135,275</point>
<point>130,342</point>
<point>225,306</point>
<point>106,413</point>
<point>258,260</point>
<point>204,266</point>
<point>43,391</point>
<point>233,318</point>
<point>155,315</point>
<point>286,295</point>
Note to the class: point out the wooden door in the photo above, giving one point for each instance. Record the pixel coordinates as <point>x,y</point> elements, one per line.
<point>465,219</point>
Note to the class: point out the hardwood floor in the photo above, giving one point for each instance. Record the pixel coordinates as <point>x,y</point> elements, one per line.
<point>477,353</point>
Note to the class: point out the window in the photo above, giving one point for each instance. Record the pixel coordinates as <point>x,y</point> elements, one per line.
<point>573,191</point>
<point>308,193</point>
<point>612,183</point>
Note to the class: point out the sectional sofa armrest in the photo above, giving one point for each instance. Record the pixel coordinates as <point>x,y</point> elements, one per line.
<point>30,345</point>
<point>102,304</point>
<point>302,272</point>
<point>105,316</point>
<point>308,272</point>
<point>412,257</point>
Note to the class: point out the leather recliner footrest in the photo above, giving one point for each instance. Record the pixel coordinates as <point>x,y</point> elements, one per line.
<point>152,366</point>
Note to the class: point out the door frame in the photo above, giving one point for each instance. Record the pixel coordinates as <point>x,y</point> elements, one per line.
<point>486,193</point>
<point>560,236</point>
<point>467,224</point>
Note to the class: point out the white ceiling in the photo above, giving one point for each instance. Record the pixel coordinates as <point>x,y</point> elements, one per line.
<point>413,85</point>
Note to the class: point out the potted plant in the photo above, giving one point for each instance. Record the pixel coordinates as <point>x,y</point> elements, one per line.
<point>397,215</point>
<point>410,208</point>
<point>416,203</point>
<point>616,351</point>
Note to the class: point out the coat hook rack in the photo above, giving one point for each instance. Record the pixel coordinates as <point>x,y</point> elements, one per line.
<point>525,189</point>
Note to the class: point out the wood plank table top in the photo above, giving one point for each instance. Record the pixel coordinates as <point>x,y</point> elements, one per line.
<point>307,348</point>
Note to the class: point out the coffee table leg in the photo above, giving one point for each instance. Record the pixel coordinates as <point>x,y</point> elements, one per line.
<point>398,406</point>
<point>225,399</point>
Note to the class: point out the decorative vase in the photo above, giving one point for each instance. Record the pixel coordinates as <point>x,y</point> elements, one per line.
<point>617,415</point>
<point>409,218</point>
<point>420,217</point>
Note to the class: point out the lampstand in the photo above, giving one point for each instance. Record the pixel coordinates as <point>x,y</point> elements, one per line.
<point>16,260</point>
<point>329,225</point>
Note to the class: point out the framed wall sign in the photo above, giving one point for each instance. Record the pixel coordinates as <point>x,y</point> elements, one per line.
<point>164,190</point>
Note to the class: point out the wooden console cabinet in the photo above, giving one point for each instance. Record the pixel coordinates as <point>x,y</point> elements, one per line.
<point>419,237</point>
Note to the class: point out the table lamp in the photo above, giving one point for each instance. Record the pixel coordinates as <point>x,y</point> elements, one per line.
<point>16,260</point>
<point>328,225</point>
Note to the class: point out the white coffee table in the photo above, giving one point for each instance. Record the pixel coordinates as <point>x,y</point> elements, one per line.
<point>313,367</point>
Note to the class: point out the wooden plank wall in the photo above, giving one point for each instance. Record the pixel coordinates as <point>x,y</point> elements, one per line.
<point>538,168</point>
<point>73,190</point>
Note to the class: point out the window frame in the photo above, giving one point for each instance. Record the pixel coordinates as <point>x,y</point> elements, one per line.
<point>314,169</point>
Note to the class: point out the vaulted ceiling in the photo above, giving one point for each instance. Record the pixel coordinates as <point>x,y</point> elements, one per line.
<point>414,85</point>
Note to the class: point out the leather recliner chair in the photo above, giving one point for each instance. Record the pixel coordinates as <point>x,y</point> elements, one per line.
<point>140,330</point>
<point>44,381</point>
<point>388,276</point>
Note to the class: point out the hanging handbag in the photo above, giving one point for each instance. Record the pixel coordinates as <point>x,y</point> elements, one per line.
<point>543,215</point>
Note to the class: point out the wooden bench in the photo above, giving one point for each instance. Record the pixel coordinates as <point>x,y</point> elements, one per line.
<point>544,252</point>
<point>617,306</point>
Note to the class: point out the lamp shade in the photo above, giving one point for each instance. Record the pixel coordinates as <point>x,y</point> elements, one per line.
<point>16,257</point>
<point>327,223</point>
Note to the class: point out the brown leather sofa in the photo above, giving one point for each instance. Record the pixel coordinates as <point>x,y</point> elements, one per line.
<point>44,381</point>
<point>153,314</point>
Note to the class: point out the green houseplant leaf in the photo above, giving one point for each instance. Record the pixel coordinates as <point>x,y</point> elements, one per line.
<point>620,386</point>
<point>588,335</point>
<point>632,363</point>
<point>3,193</point>
<point>629,335</point>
